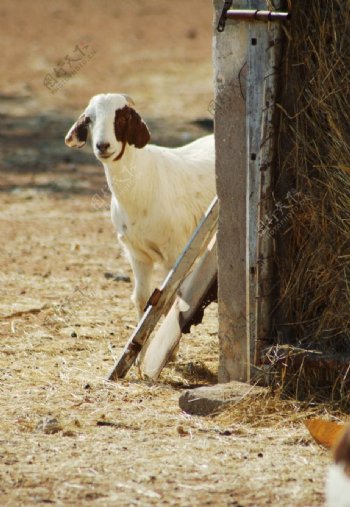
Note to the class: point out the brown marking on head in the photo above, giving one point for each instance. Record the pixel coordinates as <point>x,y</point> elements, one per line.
<point>77,134</point>
<point>130,128</point>
<point>342,450</point>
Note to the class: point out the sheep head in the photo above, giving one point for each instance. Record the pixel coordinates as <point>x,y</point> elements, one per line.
<point>113,122</point>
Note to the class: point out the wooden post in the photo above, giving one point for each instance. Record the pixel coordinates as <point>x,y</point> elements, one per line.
<point>255,76</point>
<point>245,60</point>
<point>230,54</point>
<point>263,55</point>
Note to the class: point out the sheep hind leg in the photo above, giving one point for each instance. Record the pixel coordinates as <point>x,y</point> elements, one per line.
<point>142,285</point>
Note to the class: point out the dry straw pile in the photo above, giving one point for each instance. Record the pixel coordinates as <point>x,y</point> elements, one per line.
<point>313,246</point>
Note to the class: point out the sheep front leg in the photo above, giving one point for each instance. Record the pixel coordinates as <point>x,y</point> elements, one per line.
<point>142,284</point>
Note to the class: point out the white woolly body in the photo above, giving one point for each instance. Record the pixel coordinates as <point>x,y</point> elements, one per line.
<point>158,197</point>
<point>338,487</point>
<point>158,194</point>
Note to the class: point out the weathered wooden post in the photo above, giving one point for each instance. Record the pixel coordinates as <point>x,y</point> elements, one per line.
<point>245,56</point>
<point>262,85</point>
<point>230,55</point>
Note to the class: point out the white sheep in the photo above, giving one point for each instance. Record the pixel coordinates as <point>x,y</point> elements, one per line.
<point>158,194</point>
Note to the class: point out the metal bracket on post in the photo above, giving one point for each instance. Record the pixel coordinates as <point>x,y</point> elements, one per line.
<point>223,17</point>
<point>257,15</point>
<point>249,15</point>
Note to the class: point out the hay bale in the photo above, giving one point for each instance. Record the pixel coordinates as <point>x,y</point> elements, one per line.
<point>312,228</point>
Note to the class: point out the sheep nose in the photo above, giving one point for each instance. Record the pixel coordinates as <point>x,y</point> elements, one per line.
<point>102,147</point>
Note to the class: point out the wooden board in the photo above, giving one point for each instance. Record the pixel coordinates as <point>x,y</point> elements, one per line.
<point>160,348</point>
<point>272,51</point>
<point>162,299</point>
<point>263,54</point>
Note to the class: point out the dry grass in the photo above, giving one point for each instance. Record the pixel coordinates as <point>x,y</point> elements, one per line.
<point>313,246</point>
<point>124,443</point>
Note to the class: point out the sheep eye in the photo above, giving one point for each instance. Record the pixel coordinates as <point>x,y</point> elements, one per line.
<point>87,120</point>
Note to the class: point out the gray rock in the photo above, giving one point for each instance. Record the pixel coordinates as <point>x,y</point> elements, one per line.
<point>207,400</point>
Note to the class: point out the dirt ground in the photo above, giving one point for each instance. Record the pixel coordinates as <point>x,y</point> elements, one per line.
<point>67,436</point>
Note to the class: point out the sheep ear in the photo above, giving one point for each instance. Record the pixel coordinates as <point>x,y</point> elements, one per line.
<point>77,134</point>
<point>130,128</point>
<point>138,133</point>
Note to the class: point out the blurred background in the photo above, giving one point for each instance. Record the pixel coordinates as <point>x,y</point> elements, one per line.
<point>56,54</point>
<point>156,50</point>
<point>65,283</point>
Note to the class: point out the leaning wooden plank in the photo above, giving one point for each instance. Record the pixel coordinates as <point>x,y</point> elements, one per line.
<point>160,348</point>
<point>161,300</point>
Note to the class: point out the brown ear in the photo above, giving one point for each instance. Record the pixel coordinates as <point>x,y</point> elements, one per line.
<point>77,134</point>
<point>130,128</point>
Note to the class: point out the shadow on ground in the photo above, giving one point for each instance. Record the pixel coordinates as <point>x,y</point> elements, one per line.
<point>33,155</point>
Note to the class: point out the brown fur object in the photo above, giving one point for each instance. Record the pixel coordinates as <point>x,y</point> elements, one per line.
<point>80,132</point>
<point>130,128</point>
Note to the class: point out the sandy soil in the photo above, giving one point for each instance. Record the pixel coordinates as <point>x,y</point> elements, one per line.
<point>62,325</point>
<point>157,51</point>
<point>67,436</point>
